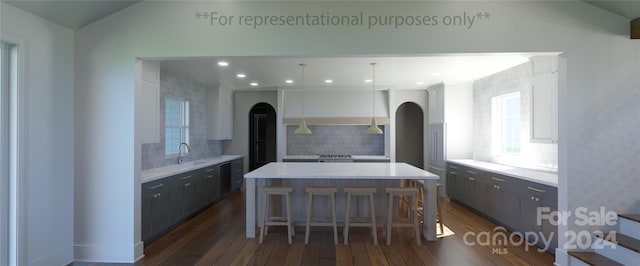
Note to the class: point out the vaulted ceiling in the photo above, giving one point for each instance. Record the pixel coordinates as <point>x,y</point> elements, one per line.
<point>75,14</point>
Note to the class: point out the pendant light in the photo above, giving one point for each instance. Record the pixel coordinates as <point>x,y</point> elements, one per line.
<point>302,128</point>
<point>374,129</point>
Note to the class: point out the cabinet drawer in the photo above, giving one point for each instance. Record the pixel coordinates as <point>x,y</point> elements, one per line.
<point>500,182</point>
<point>539,192</point>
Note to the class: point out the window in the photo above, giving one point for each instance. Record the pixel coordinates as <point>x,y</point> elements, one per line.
<point>506,124</point>
<point>176,124</point>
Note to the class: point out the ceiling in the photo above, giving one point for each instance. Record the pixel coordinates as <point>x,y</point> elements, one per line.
<point>407,72</point>
<point>75,14</point>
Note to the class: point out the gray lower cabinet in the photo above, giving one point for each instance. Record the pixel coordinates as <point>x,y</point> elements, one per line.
<point>212,183</point>
<point>155,207</point>
<point>502,200</point>
<point>509,201</point>
<point>237,176</point>
<point>170,200</point>
<point>532,198</point>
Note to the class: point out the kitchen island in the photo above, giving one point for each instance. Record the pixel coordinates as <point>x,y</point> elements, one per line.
<point>339,174</point>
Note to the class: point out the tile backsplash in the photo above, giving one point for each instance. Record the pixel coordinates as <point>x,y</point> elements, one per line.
<point>536,156</point>
<point>335,139</point>
<point>177,85</point>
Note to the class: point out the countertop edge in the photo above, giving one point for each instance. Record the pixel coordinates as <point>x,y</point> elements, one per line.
<point>514,175</point>
<point>148,175</point>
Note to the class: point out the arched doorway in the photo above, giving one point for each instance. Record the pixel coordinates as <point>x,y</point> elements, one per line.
<point>410,134</point>
<point>262,135</point>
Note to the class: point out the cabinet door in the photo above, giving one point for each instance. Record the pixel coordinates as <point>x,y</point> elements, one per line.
<point>534,196</point>
<point>544,104</point>
<point>452,177</point>
<point>212,183</point>
<point>147,94</point>
<point>185,203</point>
<point>155,208</point>
<point>502,200</point>
<point>200,183</point>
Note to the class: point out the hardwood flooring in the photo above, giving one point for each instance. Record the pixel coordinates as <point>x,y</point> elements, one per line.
<point>217,237</point>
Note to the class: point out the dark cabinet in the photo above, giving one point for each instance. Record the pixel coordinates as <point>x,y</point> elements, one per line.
<point>237,176</point>
<point>475,189</point>
<point>212,183</point>
<point>535,198</point>
<point>502,201</point>
<point>509,201</point>
<point>155,207</point>
<point>170,200</point>
<point>185,190</point>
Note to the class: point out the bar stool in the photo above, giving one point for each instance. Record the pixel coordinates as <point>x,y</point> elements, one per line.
<point>276,220</point>
<point>413,217</point>
<point>322,191</point>
<point>360,191</point>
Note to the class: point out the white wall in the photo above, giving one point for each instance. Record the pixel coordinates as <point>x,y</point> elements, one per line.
<point>603,74</point>
<point>46,85</point>
<point>243,101</point>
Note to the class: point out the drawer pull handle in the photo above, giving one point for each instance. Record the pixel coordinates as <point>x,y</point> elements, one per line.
<point>453,173</point>
<point>471,178</point>
<point>471,172</point>
<point>157,195</point>
<point>157,186</point>
<point>186,177</point>
<point>210,176</point>
<point>497,187</point>
<point>497,179</point>
<point>209,170</point>
<point>187,184</point>
<point>535,198</point>
<point>536,189</point>
<point>451,166</point>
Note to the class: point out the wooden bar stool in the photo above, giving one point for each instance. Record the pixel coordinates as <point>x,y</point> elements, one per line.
<point>322,191</point>
<point>360,191</point>
<point>412,220</point>
<point>267,220</point>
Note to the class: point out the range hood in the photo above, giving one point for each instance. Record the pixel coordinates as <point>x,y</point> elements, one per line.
<point>335,107</point>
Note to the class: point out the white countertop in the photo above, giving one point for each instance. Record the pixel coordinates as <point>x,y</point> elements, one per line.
<point>165,171</point>
<point>354,157</point>
<point>341,171</point>
<point>545,178</point>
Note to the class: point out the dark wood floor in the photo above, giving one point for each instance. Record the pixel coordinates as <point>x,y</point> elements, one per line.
<point>217,237</point>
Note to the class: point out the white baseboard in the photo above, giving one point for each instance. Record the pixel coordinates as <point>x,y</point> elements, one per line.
<point>63,256</point>
<point>108,253</point>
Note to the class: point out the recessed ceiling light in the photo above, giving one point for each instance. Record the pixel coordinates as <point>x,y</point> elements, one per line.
<point>240,75</point>
<point>367,80</point>
<point>288,81</point>
<point>253,84</point>
<point>328,81</point>
<point>435,74</point>
<point>223,63</point>
<point>419,83</point>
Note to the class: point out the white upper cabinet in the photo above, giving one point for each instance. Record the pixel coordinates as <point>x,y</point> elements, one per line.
<point>219,113</point>
<point>544,103</point>
<point>147,93</point>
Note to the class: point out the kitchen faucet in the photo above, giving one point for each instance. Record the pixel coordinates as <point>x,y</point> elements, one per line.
<point>180,151</point>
